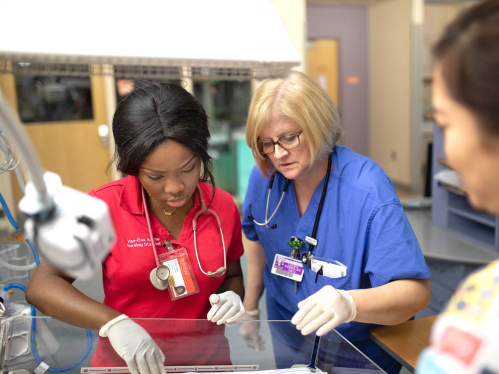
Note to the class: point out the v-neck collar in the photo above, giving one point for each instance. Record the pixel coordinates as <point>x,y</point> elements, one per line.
<point>131,201</point>
<point>305,223</point>
<point>186,230</point>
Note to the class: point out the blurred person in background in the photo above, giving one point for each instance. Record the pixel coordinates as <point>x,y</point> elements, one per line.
<point>465,337</point>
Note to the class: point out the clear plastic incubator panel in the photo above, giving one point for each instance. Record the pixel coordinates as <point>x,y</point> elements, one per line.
<point>188,346</point>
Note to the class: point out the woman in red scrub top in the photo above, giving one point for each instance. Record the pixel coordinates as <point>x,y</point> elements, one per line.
<point>161,134</point>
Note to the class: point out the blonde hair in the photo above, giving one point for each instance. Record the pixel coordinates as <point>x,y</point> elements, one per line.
<point>302,100</point>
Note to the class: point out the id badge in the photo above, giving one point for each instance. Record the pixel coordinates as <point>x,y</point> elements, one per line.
<point>181,282</point>
<point>330,268</point>
<point>288,268</point>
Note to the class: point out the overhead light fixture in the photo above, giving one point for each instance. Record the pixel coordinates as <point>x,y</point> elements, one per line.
<point>147,38</point>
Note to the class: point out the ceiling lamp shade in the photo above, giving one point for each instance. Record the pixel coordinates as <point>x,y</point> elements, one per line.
<point>201,39</point>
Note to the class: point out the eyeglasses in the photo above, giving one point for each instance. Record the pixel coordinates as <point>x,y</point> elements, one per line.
<point>287,142</point>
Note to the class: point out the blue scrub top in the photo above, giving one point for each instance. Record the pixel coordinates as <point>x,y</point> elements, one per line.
<point>362,225</point>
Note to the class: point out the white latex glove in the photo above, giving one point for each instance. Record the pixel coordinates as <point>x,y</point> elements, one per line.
<point>250,332</point>
<point>136,347</point>
<point>328,308</point>
<point>226,308</point>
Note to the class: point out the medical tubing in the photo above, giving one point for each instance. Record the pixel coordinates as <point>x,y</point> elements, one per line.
<point>321,203</point>
<point>223,245</point>
<point>33,310</point>
<point>205,210</point>
<point>33,249</point>
<point>271,183</point>
<point>286,184</point>
<point>29,242</point>
<point>33,338</point>
<point>6,148</point>
<point>265,223</point>
<point>20,179</point>
<point>23,141</point>
<point>149,227</point>
<point>210,273</point>
<point>18,267</point>
<point>7,213</point>
<point>268,197</point>
<point>275,211</point>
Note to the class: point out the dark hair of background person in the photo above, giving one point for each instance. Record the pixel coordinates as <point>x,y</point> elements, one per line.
<point>469,54</point>
<point>153,113</point>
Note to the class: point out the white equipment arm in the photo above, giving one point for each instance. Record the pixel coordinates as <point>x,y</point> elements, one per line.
<point>72,230</point>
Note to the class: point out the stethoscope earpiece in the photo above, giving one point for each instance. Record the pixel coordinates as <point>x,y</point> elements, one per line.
<point>274,226</point>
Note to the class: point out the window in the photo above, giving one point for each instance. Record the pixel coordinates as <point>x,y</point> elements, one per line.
<point>226,103</point>
<point>53,98</point>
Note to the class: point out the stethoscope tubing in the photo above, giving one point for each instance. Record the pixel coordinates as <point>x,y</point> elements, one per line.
<point>319,209</point>
<point>271,183</point>
<point>209,273</point>
<point>146,211</point>
<point>321,203</point>
<point>203,210</point>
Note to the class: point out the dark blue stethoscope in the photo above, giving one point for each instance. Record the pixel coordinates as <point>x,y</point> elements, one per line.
<point>311,240</point>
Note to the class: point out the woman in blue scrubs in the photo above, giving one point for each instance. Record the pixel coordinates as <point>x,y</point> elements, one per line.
<point>368,267</point>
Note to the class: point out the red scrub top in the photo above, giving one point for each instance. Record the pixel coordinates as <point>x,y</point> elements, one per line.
<point>126,270</point>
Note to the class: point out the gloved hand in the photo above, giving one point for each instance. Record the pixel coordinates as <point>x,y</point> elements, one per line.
<point>250,332</point>
<point>226,308</point>
<point>328,308</point>
<point>135,346</point>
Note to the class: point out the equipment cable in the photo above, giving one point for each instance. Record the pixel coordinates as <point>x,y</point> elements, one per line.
<point>33,310</point>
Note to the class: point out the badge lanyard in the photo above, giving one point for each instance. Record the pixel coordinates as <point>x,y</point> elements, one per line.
<point>312,241</point>
<point>289,268</point>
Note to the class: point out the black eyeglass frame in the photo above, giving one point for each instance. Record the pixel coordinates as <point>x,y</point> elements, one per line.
<point>260,148</point>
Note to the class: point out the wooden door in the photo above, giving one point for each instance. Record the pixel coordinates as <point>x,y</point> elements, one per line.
<point>322,65</point>
<point>72,149</point>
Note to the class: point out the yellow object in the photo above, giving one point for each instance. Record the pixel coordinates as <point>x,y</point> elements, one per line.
<point>11,292</point>
<point>475,296</point>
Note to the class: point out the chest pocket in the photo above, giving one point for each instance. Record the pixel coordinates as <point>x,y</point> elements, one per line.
<point>342,283</point>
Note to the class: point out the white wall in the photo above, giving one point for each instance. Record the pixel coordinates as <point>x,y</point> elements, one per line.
<point>293,15</point>
<point>436,18</point>
<point>348,25</point>
<point>395,34</point>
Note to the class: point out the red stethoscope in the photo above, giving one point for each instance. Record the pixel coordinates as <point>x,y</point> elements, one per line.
<point>160,274</point>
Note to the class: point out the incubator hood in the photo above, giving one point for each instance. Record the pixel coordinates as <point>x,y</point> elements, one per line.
<point>216,39</point>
